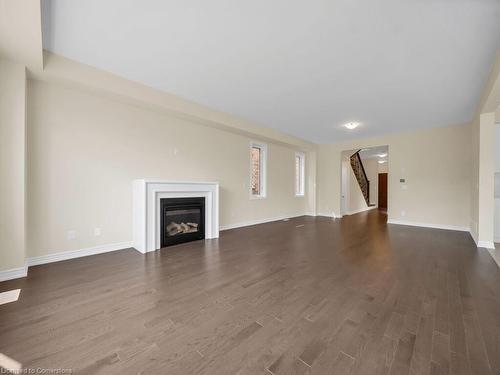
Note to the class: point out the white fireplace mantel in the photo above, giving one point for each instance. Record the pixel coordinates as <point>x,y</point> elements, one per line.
<point>146,212</point>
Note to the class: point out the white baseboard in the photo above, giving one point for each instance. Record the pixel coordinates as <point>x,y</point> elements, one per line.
<point>326,214</point>
<point>362,210</point>
<point>428,225</point>
<point>486,244</point>
<point>258,221</point>
<point>330,214</point>
<point>65,255</point>
<point>14,273</point>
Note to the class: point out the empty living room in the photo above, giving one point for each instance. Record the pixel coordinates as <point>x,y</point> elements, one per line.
<point>250,187</point>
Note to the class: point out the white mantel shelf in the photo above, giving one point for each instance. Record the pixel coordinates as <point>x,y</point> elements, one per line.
<point>146,213</point>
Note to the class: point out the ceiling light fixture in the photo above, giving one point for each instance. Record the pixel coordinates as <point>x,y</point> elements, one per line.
<point>351,125</point>
<point>381,161</point>
<point>382,155</point>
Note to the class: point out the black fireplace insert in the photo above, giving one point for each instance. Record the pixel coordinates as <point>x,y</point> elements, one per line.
<point>182,220</point>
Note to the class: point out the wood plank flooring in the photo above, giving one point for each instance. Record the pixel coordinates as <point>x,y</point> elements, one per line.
<point>304,296</point>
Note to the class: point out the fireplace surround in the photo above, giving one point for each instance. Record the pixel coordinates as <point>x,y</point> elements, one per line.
<point>147,195</point>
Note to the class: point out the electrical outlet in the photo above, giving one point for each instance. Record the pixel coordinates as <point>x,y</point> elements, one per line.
<point>71,235</point>
<point>97,231</point>
<point>403,213</point>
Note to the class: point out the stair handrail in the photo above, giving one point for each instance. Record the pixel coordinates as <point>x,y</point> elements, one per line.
<point>361,163</point>
<point>367,182</point>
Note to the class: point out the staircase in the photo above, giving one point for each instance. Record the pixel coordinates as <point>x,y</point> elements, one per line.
<point>359,172</point>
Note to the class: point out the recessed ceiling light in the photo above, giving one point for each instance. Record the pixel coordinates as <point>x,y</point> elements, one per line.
<point>351,125</point>
<point>381,161</point>
<point>382,155</point>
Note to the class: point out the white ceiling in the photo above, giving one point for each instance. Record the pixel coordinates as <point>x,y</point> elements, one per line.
<point>369,153</point>
<point>302,67</point>
<point>374,152</point>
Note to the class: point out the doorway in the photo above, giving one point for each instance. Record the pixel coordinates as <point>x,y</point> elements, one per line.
<point>359,175</point>
<point>382,191</point>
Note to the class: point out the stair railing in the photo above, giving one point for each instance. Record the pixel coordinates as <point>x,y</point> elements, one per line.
<point>360,173</point>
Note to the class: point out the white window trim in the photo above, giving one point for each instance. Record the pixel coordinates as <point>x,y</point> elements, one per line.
<point>263,170</point>
<point>302,172</point>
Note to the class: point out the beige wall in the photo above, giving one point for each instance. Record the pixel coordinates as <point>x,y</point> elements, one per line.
<point>382,168</point>
<point>86,149</point>
<point>435,164</point>
<point>21,32</point>
<point>12,165</point>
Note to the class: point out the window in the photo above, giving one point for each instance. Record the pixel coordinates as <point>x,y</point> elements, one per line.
<point>257,170</point>
<point>299,174</point>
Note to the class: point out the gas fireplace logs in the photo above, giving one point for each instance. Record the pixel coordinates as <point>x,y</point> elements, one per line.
<point>173,228</point>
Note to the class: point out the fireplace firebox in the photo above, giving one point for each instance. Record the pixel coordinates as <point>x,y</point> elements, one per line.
<point>182,220</point>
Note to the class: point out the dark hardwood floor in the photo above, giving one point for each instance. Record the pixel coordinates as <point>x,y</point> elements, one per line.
<point>305,296</point>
